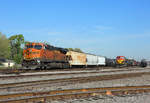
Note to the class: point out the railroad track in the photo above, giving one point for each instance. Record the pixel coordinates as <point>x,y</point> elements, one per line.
<point>66,81</point>
<point>18,71</point>
<point>63,73</point>
<point>42,97</point>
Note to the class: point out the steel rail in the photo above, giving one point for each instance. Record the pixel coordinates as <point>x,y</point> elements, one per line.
<point>73,80</point>
<point>18,71</point>
<point>73,93</point>
<point>50,74</point>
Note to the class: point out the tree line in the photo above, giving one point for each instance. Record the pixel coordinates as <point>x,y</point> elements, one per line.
<point>12,47</point>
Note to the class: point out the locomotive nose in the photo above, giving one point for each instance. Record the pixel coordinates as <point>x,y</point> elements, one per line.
<point>28,51</point>
<point>32,53</point>
<point>27,54</point>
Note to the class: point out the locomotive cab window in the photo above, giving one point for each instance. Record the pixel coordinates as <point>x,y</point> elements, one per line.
<point>49,47</point>
<point>38,47</point>
<point>29,46</point>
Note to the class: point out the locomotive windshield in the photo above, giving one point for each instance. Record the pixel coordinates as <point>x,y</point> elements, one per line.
<point>38,47</point>
<point>29,46</point>
<point>34,46</point>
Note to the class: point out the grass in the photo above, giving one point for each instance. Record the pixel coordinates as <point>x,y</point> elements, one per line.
<point>2,67</point>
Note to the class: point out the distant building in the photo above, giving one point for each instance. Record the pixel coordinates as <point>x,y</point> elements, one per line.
<point>6,63</point>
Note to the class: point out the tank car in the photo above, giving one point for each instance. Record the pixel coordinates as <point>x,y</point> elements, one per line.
<point>143,63</point>
<point>110,62</point>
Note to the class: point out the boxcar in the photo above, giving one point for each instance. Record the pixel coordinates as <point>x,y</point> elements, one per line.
<point>76,58</point>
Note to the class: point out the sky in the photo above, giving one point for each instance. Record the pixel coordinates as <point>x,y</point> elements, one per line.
<point>102,27</point>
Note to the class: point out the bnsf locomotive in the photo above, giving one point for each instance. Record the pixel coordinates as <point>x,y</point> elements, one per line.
<point>41,55</point>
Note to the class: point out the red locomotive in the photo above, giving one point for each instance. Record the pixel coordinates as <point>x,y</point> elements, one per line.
<point>120,60</point>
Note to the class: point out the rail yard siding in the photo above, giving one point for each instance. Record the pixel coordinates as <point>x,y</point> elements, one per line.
<point>76,58</point>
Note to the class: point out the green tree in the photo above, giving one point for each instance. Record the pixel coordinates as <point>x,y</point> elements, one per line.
<point>16,41</point>
<point>75,49</point>
<point>70,49</point>
<point>78,50</point>
<point>4,46</point>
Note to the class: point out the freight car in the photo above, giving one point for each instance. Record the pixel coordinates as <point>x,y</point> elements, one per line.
<point>94,60</point>
<point>91,60</point>
<point>110,62</point>
<point>40,55</point>
<point>143,63</point>
<point>76,58</point>
<point>84,59</point>
<point>101,61</point>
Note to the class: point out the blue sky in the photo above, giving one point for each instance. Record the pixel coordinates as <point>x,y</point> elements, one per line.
<point>102,27</point>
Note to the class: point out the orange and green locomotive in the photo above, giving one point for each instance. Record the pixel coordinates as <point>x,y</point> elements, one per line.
<point>41,55</point>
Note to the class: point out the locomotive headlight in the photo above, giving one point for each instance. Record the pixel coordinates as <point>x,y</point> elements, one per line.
<point>24,54</point>
<point>38,61</point>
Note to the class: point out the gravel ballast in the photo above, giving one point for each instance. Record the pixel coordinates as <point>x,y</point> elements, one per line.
<point>52,77</point>
<point>134,81</point>
<point>138,98</point>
